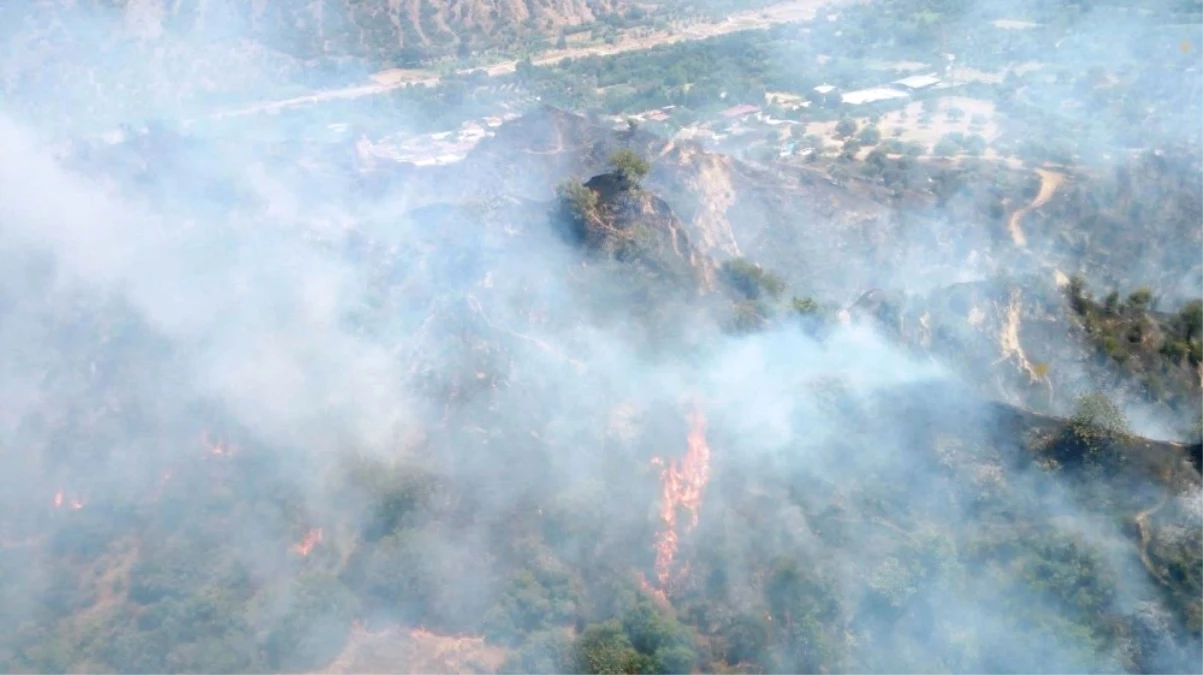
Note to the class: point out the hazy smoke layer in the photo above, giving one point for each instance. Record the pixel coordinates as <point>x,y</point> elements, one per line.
<point>250,413</point>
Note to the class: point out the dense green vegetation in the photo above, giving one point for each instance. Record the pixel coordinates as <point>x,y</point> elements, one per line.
<point>1157,350</point>
<point>906,505</point>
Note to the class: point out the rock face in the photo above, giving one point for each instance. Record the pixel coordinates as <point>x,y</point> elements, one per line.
<point>791,220</point>
<point>1013,341</point>
<point>651,234</point>
<point>1109,216</point>
<point>1022,341</point>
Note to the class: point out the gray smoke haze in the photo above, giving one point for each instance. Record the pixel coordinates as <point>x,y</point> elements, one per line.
<point>221,355</point>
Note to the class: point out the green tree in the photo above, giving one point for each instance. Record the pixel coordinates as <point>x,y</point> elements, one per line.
<point>1097,423</point>
<point>845,127</point>
<point>526,606</point>
<point>807,306</point>
<point>974,144</point>
<point>870,135</point>
<point>1141,299</point>
<point>1191,316</point>
<point>604,648</point>
<point>851,147</point>
<point>629,165</point>
<point>753,281</point>
<point>806,612</point>
<point>946,147</point>
<point>747,640</point>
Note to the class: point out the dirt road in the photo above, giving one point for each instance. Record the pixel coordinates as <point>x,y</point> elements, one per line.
<point>385,81</point>
<point>1142,525</point>
<point>1049,182</point>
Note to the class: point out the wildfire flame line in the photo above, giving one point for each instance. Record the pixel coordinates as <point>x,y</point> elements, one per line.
<point>75,503</point>
<point>682,481</point>
<point>311,539</point>
<point>216,447</point>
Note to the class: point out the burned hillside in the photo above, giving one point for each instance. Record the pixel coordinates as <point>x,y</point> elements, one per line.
<point>551,431</point>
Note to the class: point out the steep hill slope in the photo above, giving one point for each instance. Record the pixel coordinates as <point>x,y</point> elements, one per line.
<point>712,193</point>
<point>300,429</point>
<point>1040,346</point>
<point>944,224</point>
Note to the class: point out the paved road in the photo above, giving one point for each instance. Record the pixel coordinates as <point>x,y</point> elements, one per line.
<point>785,12</point>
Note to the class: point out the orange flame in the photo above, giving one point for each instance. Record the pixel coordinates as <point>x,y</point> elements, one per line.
<point>682,483</point>
<point>460,639</point>
<point>216,447</point>
<point>75,503</point>
<point>657,594</point>
<point>311,539</point>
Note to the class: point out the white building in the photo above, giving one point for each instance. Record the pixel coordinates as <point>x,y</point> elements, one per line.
<point>872,95</point>
<point>917,82</point>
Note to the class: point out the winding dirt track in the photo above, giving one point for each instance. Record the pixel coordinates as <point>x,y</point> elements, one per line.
<point>385,81</point>
<point>1143,528</point>
<point>1049,182</point>
<point>1142,525</point>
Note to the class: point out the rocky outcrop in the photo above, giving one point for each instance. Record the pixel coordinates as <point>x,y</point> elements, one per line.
<point>633,226</point>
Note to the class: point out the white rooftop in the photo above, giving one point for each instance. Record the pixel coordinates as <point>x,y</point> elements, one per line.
<point>917,81</point>
<point>872,95</point>
<point>824,88</point>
